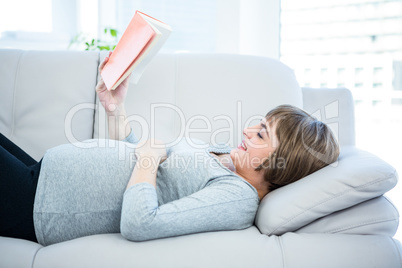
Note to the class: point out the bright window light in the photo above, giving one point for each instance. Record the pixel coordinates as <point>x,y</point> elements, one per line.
<point>26,15</point>
<point>354,44</point>
<point>89,17</point>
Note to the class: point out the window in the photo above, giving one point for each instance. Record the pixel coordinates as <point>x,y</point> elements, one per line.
<point>355,44</point>
<point>41,24</point>
<point>200,26</point>
<point>38,13</point>
<point>194,23</point>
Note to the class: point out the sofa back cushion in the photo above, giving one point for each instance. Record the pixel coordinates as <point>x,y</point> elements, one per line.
<point>47,97</point>
<point>211,97</point>
<point>356,177</point>
<point>147,99</point>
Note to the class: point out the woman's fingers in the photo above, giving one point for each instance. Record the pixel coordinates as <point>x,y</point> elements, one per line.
<point>103,63</point>
<point>100,87</point>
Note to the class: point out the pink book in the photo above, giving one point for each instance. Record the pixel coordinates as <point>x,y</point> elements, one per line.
<point>139,43</point>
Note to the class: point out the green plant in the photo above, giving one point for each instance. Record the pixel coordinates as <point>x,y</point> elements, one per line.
<point>108,43</point>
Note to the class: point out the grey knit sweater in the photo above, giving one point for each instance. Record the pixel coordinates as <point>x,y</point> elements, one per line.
<point>82,191</point>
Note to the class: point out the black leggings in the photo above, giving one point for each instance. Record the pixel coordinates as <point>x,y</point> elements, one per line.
<point>19,175</point>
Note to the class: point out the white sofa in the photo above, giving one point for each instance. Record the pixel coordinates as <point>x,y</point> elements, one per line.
<point>336,217</point>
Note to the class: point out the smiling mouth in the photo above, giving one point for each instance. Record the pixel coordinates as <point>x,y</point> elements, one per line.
<point>242,146</point>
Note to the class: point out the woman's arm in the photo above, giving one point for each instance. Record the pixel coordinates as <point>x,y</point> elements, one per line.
<point>113,102</point>
<point>119,128</point>
<point>225,205</point>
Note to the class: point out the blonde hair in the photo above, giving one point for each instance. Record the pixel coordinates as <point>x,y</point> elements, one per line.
<point>305,146</point>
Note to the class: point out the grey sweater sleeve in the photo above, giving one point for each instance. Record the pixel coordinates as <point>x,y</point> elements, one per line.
<point>223,205</point>
<point>131,138</point>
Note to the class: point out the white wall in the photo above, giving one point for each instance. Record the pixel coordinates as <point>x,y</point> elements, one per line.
<point>249,27</point>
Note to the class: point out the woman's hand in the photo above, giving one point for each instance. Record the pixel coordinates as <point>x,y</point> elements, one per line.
<point>149,155</point>
<point>152,149</point>
<point>111,100</point>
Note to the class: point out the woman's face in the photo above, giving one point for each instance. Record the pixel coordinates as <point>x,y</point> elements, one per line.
<point>258,144</point>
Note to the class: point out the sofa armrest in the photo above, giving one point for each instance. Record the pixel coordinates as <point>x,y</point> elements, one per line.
<point>334,107</point>
<point>47,97</point>
<point>377,216</point>
<point>340,250</point>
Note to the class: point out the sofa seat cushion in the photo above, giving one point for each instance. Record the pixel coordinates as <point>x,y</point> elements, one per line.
<point>356,177</point>
<point>244,248</point>
<point>17,252</point>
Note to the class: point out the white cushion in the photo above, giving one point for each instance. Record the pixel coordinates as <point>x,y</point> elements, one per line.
<point>239,87</point>
<point>49,97</point>
<point>339,251</point>
<point>17,252</point>
<point>357,177</point>
<point>375,216</point>
<point>10,60</point>
<point>156,86</point>
<point>335,107</point>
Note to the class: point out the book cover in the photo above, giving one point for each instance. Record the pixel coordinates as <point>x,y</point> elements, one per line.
<point>142,39</point>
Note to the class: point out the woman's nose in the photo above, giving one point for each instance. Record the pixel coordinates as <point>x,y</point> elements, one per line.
<point>245,132</point>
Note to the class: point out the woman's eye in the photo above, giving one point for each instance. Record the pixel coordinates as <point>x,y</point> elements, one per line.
<point>259,135</point>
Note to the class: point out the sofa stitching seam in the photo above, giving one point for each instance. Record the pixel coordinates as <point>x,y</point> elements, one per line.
<point>360,224</point>
<point>34,257</point>
<point>96,97</point>
<point>282,250</point>
<point>389,201</point>
<point>14,94</point>
<point>176,79</point>
<point>331,198</point>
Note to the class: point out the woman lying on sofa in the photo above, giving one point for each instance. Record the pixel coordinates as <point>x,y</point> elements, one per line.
<point>149,193</point>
